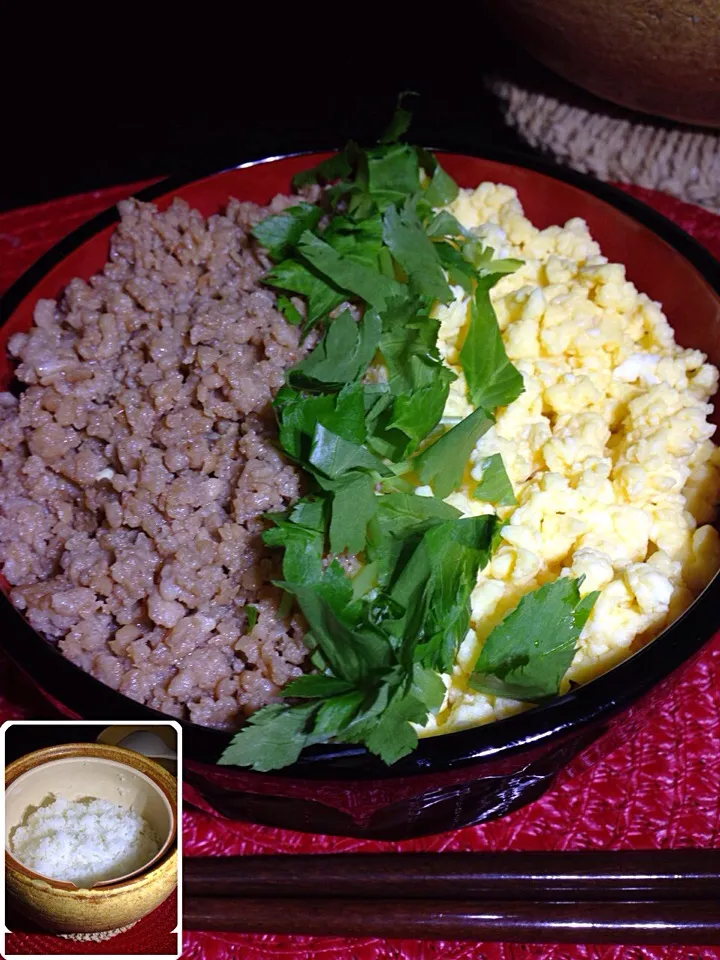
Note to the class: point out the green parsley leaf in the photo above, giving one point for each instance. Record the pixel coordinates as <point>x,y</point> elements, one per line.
<point>336,167</point>
<point>427,160</point>
<point>458,552</point>
<point>435,584</point>
<point>405,236</point>
<point>443,463</point>
<point>393,173</point>
<point>481,256</point>
<point>392,737</point>
<point>460,271</point>
<point>251,612</point>
<point>304,545</point>
<point>497,536</point>
<point>428,687</point>
<point>342,355</point>
<point>442,188</point>
<point>527,655</point>
<point>282,231</point>
<point>501,266</point>
<point>334,456</point>
<point>400,120</point>
<point>308,513</point>
<point>353,654</point>
<point>273,737</point>
<point>353,507</point>
<point>492,381</point>
<point>298,415</point>
<point>495,486</point>
<point>416,414</point>
<point>347,416</point>
<point>316,685</point>
<point>444,224</point>
<point>408,346</point>
<point>361,241</point>
<point>288,309</point>
<point>377,399</point>
<point>335,714</point>
<point>298,277</point>
<point>403,514</point>
<point>400,522</point>
<point>360,203</point>
<point>336,588</point>
<point>376,699</point>
<point>347,274</point>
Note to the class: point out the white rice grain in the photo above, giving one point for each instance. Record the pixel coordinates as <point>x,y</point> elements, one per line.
<point>83,841</point>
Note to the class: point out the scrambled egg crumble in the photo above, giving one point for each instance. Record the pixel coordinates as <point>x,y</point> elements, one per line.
<point>608,448</point>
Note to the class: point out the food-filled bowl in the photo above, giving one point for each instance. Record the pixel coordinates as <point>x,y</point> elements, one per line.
<point>462,777</point>
<point>87,776</point>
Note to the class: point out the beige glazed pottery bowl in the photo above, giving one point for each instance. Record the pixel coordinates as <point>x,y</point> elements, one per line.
<point>75,771</point>
<point>658,56</point>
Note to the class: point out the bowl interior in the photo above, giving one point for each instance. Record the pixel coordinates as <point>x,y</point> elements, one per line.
<point>78,778</point>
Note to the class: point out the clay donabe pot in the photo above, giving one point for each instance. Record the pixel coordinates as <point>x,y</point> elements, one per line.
<point>74,771</point>
<point>658,56</point>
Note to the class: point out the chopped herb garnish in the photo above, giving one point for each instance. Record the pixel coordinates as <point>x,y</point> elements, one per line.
<point>281,232</point>
<point>342,355</point>
<point>492,381</point>
<point>526,656</point>
<point>302,535</point>
<point>494,486</point>
<point>400,120</point>
<point>353,506</point>
<point>288,309</point>
<point>251,612</point>
<point>435,586</point>
<point>298,277</point>
<point>444,224</point>
<point>361,415</point>
<point>443,463</point>
<point>410,245</point>
<point>348,274</point>
<point>334,456</point>
<point>272,738</point>
<point>442,188</point>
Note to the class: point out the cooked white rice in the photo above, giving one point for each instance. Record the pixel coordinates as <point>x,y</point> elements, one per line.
<point>83,841</point>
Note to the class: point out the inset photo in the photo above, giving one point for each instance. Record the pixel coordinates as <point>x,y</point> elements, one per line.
<point>91,821</point>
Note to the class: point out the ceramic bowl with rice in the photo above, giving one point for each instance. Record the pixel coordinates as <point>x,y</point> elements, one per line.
<point>90,836</point>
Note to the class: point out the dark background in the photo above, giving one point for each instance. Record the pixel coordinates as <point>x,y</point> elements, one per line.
<point>21,738</point>
<point>88,115</point>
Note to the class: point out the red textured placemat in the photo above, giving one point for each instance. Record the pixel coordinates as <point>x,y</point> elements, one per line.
<point>151,935</point>
<point>661,790</point>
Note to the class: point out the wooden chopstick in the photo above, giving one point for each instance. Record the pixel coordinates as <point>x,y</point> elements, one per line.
<point>622,875</point>
<point>672,922</point>
<point>623,897</point>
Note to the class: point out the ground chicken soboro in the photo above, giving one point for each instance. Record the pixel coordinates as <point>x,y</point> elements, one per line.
<point>138,462</point>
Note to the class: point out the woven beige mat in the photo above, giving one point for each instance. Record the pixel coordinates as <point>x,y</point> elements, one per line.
<point>613,144</point>
<point>97,937</point>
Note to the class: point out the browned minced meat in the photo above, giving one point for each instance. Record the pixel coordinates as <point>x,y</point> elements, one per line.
<point>137,464</point>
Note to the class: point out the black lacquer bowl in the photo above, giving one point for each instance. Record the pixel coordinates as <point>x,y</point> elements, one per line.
<point>461,778</point>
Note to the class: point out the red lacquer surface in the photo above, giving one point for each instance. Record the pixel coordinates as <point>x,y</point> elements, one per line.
<point>661,790</point>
